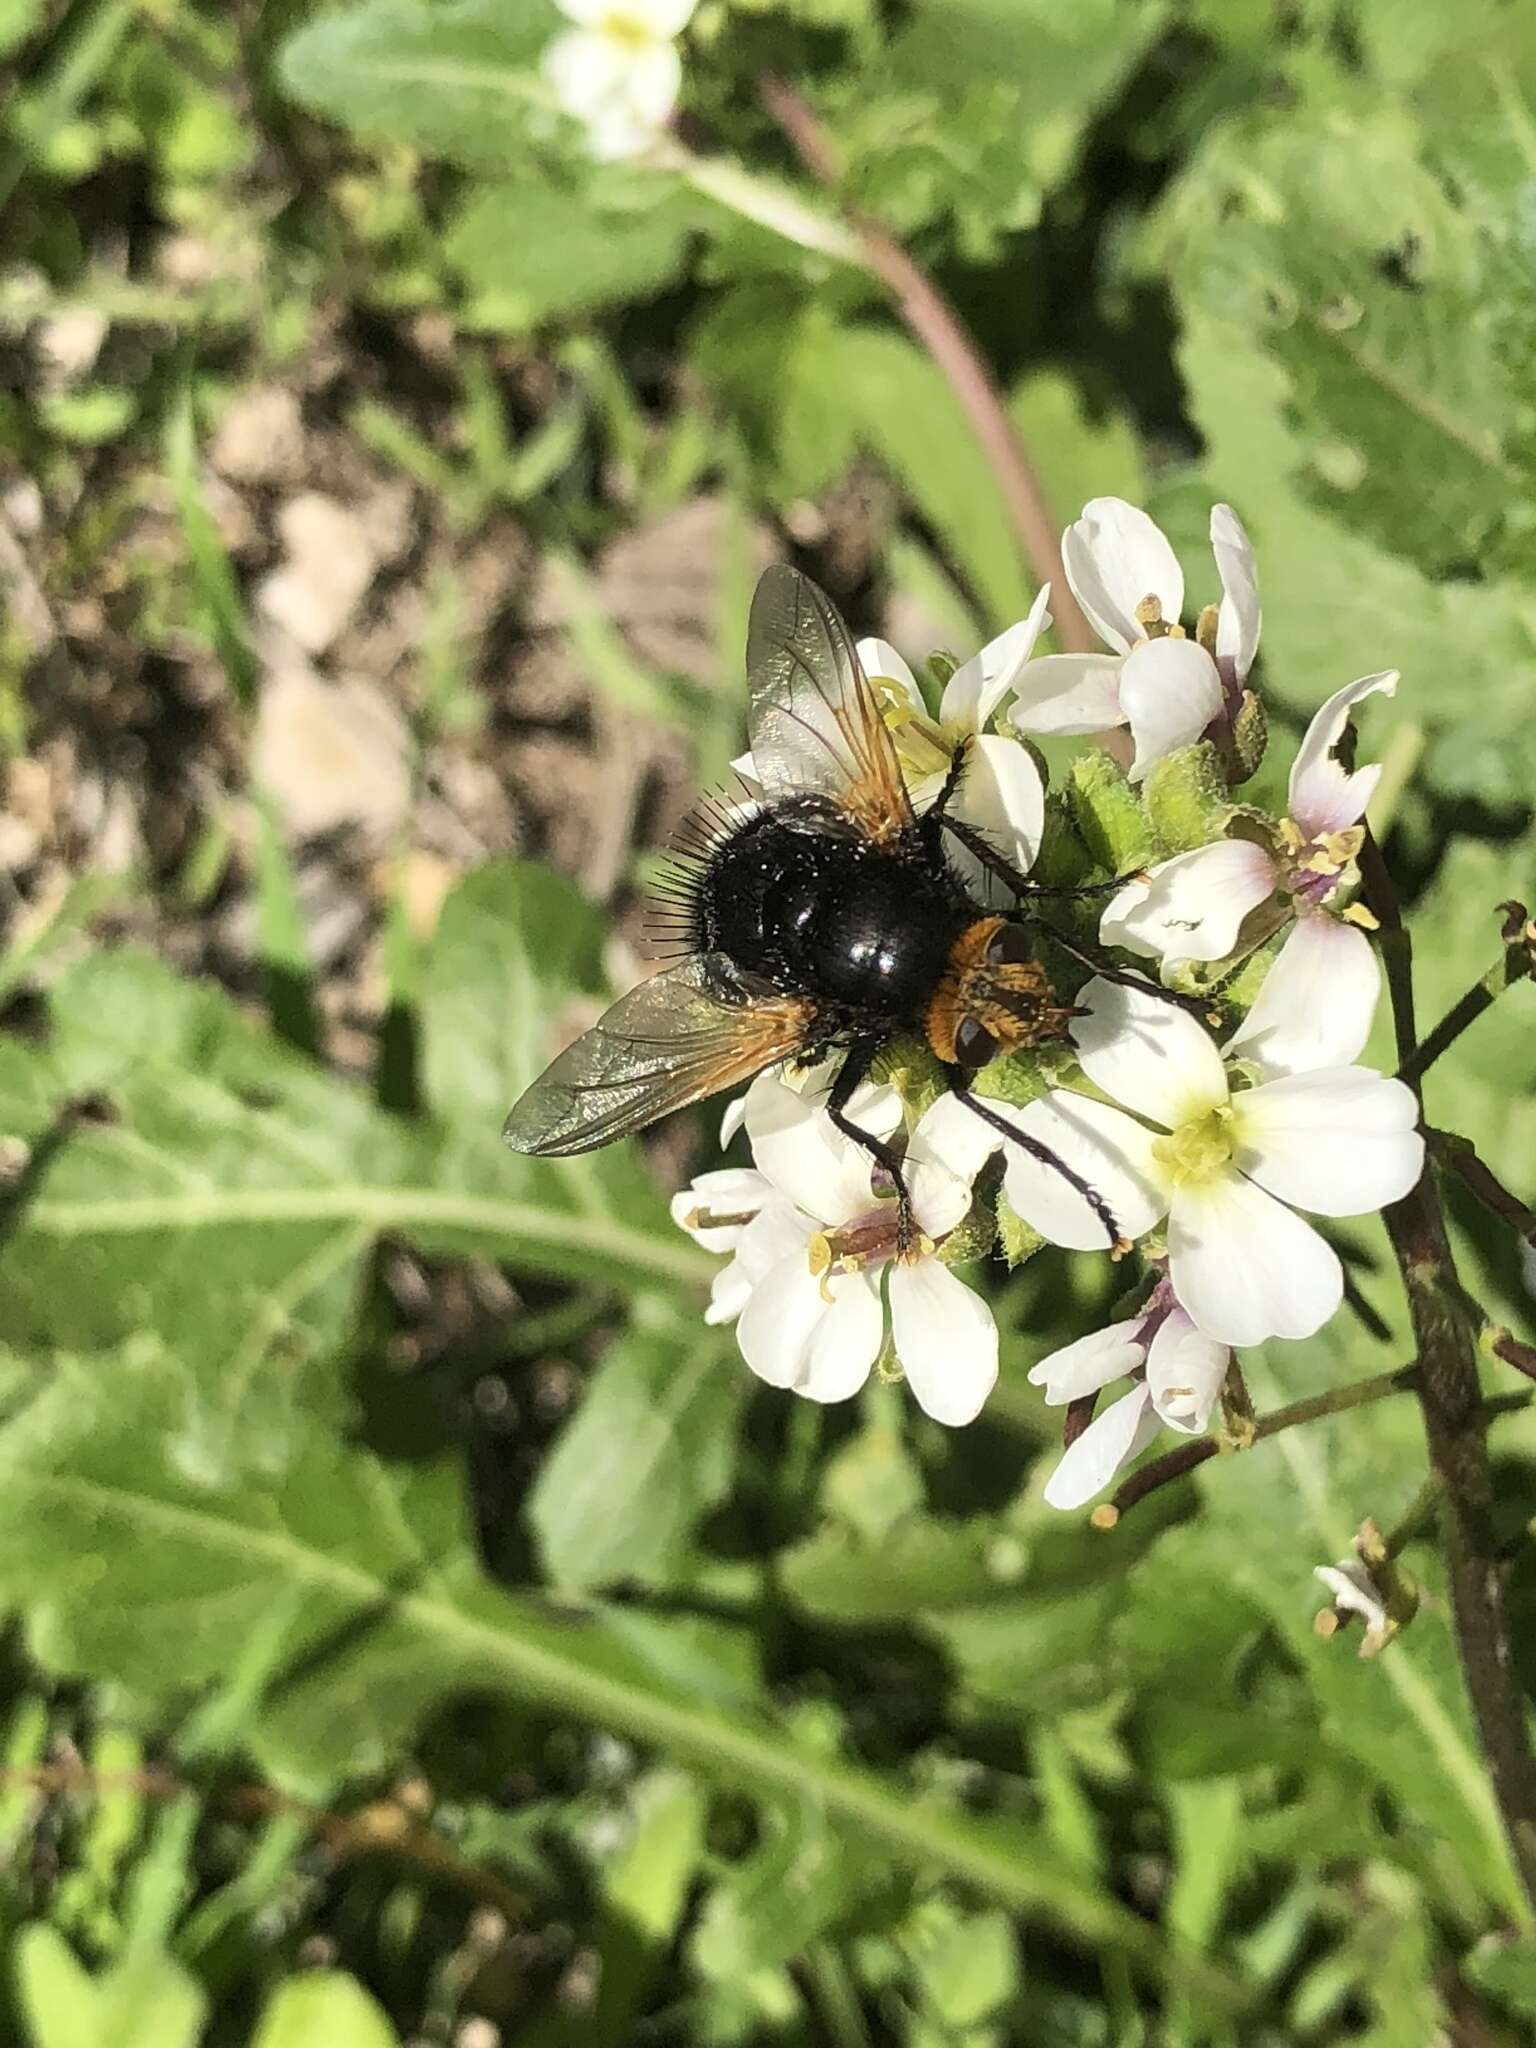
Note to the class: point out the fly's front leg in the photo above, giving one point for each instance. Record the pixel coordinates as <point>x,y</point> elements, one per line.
<point>853,1070</point>
<point>988,1112</point>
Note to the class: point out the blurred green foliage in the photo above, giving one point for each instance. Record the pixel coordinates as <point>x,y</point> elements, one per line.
<point>742,1722</point>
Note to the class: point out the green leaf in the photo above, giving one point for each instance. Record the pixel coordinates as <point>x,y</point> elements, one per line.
<point>650,1449</point>
<point>800,1880</point>
<point>146,2000</point>
<point>461,78</point>
<point>1506,1970</point>
<point>324,2005</point>
<point>130,1567</point>
<point>58,1998</point>
<point>534,249</point>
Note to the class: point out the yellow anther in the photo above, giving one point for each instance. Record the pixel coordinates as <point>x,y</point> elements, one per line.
<point>1357,913</point>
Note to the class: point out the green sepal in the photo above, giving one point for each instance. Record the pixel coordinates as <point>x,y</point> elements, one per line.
<point>1108,814</point>
<point>941,665</point>
<point>1186,798</point>
<point>1017,1239</point>
<point>1063,861</point>
<point>972,1238</point>
<point>911,1069</point>
<point>1018,1078</point>
<point>1250,735</point>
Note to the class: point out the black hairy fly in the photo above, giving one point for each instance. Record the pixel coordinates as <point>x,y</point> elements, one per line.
<point>824,916</point>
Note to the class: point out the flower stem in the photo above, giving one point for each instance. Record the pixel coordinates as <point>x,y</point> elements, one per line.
<point>1452,1150</point>
<point>1518,964</point>
<point>1450,1397</point>
<point>935,323</point>
<point>1176,1463</point>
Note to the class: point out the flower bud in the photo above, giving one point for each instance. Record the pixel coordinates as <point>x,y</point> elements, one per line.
<point>1108,814</point>
<point>1186,798</point>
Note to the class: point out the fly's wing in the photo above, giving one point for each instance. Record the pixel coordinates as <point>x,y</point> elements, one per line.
<point>682,1035</point>
<point>814,725</point>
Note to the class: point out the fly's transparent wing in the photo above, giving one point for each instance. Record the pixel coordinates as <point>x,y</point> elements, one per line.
<point>813,722</point>
<point>682,1035</point>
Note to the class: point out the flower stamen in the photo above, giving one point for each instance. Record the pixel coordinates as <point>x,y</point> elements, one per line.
<point>1199,1151</point>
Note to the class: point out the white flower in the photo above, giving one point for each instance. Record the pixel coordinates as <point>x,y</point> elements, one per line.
<point>1194,906</point>
<point>1166,686</point>
<point>1227,1166</point>
<point>812,1244</point>
<point>1000,793</point>
<point>1180,1374</point>
<point>617,71</point>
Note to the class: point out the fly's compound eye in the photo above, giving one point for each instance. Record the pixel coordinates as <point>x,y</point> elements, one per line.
<point>974,1044</point>
<point>1010,947</point>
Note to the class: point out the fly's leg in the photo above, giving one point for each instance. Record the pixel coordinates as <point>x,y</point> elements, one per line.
<point>996,863</point>
<point>989,1114</point>
<point>853,1070</point>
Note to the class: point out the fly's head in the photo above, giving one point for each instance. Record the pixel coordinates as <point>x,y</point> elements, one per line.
<point>993,998</point>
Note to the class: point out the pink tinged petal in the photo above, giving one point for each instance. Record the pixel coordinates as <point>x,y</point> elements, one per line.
<point>1237,622</point>
<point>1091,1364</point>
<point>979,685</point>
<point>1192,906</point>
<point>1317,1002</point>
<point>1063,694</point>
<point>880,658</point>
<point>1002,796</point>
<point>1340,1142</point>
<point>1169,691</point>
<point>1247,1268</point>
<point>949,1147</point>
<point>730,1191</point>
<point>1323,797</point>
<point>1111,1440</point>
<point>846,1341</point>
<point>1115,557</point>
<point>1185,1373</point>
<point>1148,1053</point>
<point>1102,1146</point>
<point>945,1339</point>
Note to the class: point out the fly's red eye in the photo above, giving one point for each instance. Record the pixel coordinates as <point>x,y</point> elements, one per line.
<point>1011,947</point>
<point>974,1043</point>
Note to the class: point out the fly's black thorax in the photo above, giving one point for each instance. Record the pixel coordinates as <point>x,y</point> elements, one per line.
<point>861,929</point>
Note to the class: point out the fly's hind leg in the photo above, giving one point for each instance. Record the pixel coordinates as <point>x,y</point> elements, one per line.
<point>853,1070</point>
<point>990,1114</point>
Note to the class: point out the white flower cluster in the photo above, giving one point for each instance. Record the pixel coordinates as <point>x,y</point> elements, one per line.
<point>1206,1150</point>
<point>617,70</point>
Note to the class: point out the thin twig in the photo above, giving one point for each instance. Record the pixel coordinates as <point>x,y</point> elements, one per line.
<point>1504,1344</point>
<point>1185,1457</point>
<point>1455,1425</point>
<point>938,327</point>
<point>1518,964</point>
<point>1459,1153</point>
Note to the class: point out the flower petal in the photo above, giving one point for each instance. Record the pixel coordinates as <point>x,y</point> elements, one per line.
<point>1001,794</point>
<point>1339,1142</point>
<point>1115,557</point>
<point>880,659</point>
<point>1104,1147</point>
<point>1246,1267</point>
<point>1068,693</point>
<point>1185,1372</point>
<point>1323,797</point>
<point>1192,906</point>
<point>1090,1364</point>
<point>846,1341</point>
<point>946,1340</point>
<point>979,685</point>
<point>776,1328</point>
<point>732,1120</point>
<point>1237,623</point>
<point>949,1147</point>
<point>1317,1002</point>
<point>1110,1441</point>
<point>733,1191</point>
<point>805,1157</point>
<point>1148,1053</point>
<point>1169,691</point>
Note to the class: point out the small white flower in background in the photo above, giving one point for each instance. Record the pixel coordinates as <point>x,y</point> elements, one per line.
<point>1193,907</point>
<point>1001,793</point>
<point>1355,1591</point>
<point>618,71</point>
<point>1181,1372</point>
<point>1228,1167</point>
<point>1166,686</point>
<point>811,1243</point>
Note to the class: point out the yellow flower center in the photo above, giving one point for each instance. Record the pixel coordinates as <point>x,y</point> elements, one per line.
<point>923,746</point>
<point>1199,1151</point>
<point>620,26</point>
